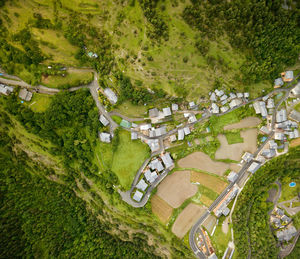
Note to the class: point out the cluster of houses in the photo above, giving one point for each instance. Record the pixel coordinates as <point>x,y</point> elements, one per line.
<point>285,127</point>
<point>283,224</point>
<point>104,136</point>
<point>222,208</point>
<point>221,102</point>
<point>286,76</point>
<point>255,164</point>
<point>151,173</point>
<point>157,116</point>
<point>5,89</point>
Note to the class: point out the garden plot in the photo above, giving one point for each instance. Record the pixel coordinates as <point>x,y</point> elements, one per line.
<point>203,162</point>
<point>248,122</point>
<point>161,209</point>
<point>176,188</point>
<point>235,151</point>
<point>186,219</point>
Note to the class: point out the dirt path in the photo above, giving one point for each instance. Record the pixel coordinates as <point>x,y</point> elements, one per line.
<point>244,123</point>
<point>225,226</point>
<point>235,151</point>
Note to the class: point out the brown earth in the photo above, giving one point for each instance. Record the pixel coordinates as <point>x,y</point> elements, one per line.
<point>186,219</point>
<point>203,162</point>
<point>295,142</point>
<point>210,181</point>
<point>161,209</point>
<point>205,200</point>
<point>235,151</point>
<point>176,188</point>
<point>244,123</point>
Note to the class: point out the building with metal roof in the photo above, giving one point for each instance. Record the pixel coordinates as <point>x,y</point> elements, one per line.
<point>223,97</point>
<point>180,134</point>
<point>256,107</point>
<point>254,167</point>
<point>111,96</point>
<point>240,95</point>
<point>232,177</point>
<point>263,110</point>
<point>174,107</point>
<point>192,119</point>
<point>134,135</point>
<point>142,185</point>
<point>103,120</point>
<point>264,130</point>
<point>192,105</point>
<point>268,153</point>
<point>224,109</point>
<point>247,157</point>
<point>215,108</point>
<point>167,111</point>
<point>279,136</point>
<point>125,124</point>
<point>187,131</point>
<point>153,113</point>
<point>281,116</point>
<point>224,102</point>
<point>167,160</point>
<point>156,165</point>
<point>286,234</point>
<point>296,90</point>
<point>153,144</point>
<point>234,103</point>
<point>246,95</point>
<point>278,82</point>
<point>138,196</point>
<point>173,138</point>
<point>273,144</point>
<point>105,137</point>
<point>213,97</point>
<point>232,95</point>
<point>288,76</point>
<point>25,95</point>
<point>294,115</point>
<point>270,103</point>
<point>5,89</point>
<point>145,126</point>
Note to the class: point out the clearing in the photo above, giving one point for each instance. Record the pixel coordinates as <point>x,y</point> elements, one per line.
<point>186,219</point>
<point>161,209</point>
<point>176,188</point>
<point>287,192</point>
<point>235,151</point>
<point>244,123</point>
<point>40,102</point>
<point>203,162</point>
<point>209,223</point>
<point>210,181</point>
<point>72,78</point>
<point>128,158</point>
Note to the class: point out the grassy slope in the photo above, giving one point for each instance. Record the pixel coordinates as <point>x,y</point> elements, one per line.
<point>167,69</point>
<point>287,192</point>
<point>39,102</point>
<point>128,158</point>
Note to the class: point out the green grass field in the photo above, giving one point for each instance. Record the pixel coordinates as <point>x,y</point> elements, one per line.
<point>234,137</point>
<point>131,110</point>
<point>39,102</point>
<point>128,158</point>
<point>71,79</point>
<point>287,192</point>
<point>297,107</point>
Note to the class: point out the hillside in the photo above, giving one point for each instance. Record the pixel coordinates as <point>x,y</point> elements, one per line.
<point>171,45</point>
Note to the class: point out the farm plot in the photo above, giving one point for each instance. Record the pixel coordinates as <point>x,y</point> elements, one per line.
<point>203,162</point>
<point>161,209</point>
<point>212,182</point>
<point>248,122</point>
<point>186,219</point>
<point>176,188</point>
<point>209,223</point>
<point>235,151</point>
<point>295,142</point>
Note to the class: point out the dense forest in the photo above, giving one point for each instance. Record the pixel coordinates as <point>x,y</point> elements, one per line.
<point>41,219</point>
<point>264,30</point>
<point>252,233</point>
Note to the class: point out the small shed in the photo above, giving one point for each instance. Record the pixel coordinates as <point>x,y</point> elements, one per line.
<point>138,196</point>
<point>103,120</point>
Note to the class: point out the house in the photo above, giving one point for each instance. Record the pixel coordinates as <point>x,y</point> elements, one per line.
<point>272,144</point>
<point>192,106</point>
<point>268,153</point>
<point>213,97</point>
<point>279,136</point>
<point>224,109</point>
<point>296,90</point>
<point>286,234</point>
<point>260,159</point>
<point>254,167</point>
<point>279,212</point>
<point>239,95</point>
<point>276,222</point>
<point>153,144</point>
<point>192,119</point>
<point>173,138</point>
<point>25,95</point>
<point>125,124</point>
<point>111,96</point>
<point>224,102</point>
<point>167,112</point>
<point>223,97</point>
<point>232,96</point>
<point>180,134</point>
<point>156,165</point>
<point>134,125</point>
<point>286,219</point>
<point>142,185</point>
<point>134,135</point>
<point>167,160</point>
<point>266,97</point>
<point>160,131</point>
<point>270,103</point>
<point>153,113</point>
<point>294,115</point>
<point>6,90</point>
<point>215,108</point>
<point>219,93</point>
<point>247,157</point>
<point>234,103</point>
<point>174,107</point>
<point>281,116</point>
<point>187,131</point>
<point>145,126</point>
<point>186,115</point>
<point>138,196</point>
<point>232,176</point>
<point>246,95</point>
<point>296,133</point>
<point>287,76</point>
<point>226,211</point>
<point>264,130</point>
<point>256,107</point>
<point>278,82</point>
<point>263,110</point>
<point>103,120</point>
<point>105,137</point>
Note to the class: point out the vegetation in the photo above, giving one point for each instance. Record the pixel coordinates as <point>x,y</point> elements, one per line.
<point>234,137</point>
<point>287,192</point>
<point>39,102</point>
<point>250,217</point>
